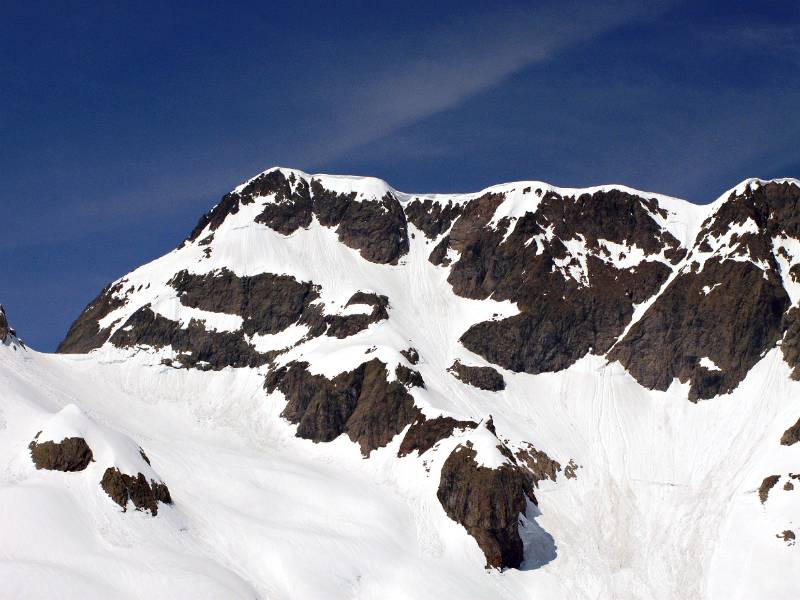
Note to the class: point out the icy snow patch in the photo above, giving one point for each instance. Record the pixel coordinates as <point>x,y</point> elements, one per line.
<point>708,364</point>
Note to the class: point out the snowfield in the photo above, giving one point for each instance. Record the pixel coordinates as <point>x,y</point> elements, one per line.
<point>664,505</point>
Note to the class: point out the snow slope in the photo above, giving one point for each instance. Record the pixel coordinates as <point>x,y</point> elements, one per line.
<point>664,504</point>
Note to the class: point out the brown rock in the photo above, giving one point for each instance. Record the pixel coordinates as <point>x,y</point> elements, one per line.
<point>361,403</point>
<point>484,378</point>
<point>5,328</point>
<point>424,433</point>
<point>199,347</point>
<point>411,355</point>
<point>432,218</point>
<point>766,485</point>
<point>85,334</point>
<point>791,435</point>
<point>787,536</point>
<point>538,462</point>
<point>733,325</point>
<point>488,503</point>
<point>70,454</point>
<point>376,228</point>
<point>144,495</point>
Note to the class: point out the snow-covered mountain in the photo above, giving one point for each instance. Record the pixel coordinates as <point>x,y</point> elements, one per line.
<point>333,389</point>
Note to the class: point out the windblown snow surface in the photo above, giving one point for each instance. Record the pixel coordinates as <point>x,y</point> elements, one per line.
<point>665,503</point>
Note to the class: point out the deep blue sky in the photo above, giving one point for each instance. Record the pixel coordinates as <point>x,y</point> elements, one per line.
<point>121,123</point>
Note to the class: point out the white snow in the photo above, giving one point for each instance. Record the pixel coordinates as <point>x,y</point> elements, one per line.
<point>708,364</point>
<point>664,506</point>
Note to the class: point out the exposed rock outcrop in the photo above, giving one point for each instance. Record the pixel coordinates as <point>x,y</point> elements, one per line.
<point>791,435</point>
<point>70,454</point>
<point>196,345</point>
<point>411,355</point>
<point>425,433</point>
<point>5,328</point>
<point>539,463</point>
<point>362,403</point>
<point>572,302</point>
<point>145,495</point>
<point>85,334</point>
<point>343,326</point>
<point>432,218</point>
<point>484,378</point>
<point>267,303</point>
<point>376,228</point>
<point>732,325</point>
<point>728,305</point>
<point>766,485</point>
<point>488,503</point>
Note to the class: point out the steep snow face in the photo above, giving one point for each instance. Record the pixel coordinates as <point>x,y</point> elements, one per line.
<point>338,310</point>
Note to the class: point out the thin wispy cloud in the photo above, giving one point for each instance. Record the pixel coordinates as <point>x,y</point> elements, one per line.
<point>447,65</point>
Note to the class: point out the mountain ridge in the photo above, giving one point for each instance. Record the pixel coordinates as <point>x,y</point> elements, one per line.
<point>541,378</point>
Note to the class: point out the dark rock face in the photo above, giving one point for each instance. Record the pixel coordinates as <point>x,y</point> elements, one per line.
<point>787,536</point>
<point>732,325</point>
<point>411,355</point>
<point>361,403</point>
<point>409,377</point>
<point>199,347</point>
<point>790,345</point>
<point>484,378</point>
<point>539,463</point>
<point>731,311</point>
<point>377,229</point>
<point>229,205</point>
<point>267,303</point>
<point>561,319</point>
<point>424,433</point>
<point>144,495</point>
<point>487,502</point>
<point>432,218</point>
<point>5,328</point>
<point>85,334</point>
<point>291,209</point>
<point>791,435</point>
<point>70,454</point>
<point>343,326</point>
<point>766,485</point>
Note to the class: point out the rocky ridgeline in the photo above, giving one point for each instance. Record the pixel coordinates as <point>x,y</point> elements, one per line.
<point>601,271</point>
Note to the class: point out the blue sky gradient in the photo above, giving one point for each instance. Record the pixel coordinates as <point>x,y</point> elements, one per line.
<point>122,123</point>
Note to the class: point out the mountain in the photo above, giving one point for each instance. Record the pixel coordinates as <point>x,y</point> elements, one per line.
<point>333,389</point>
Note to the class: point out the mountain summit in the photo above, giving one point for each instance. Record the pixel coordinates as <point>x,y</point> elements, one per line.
<point>353,391</point>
